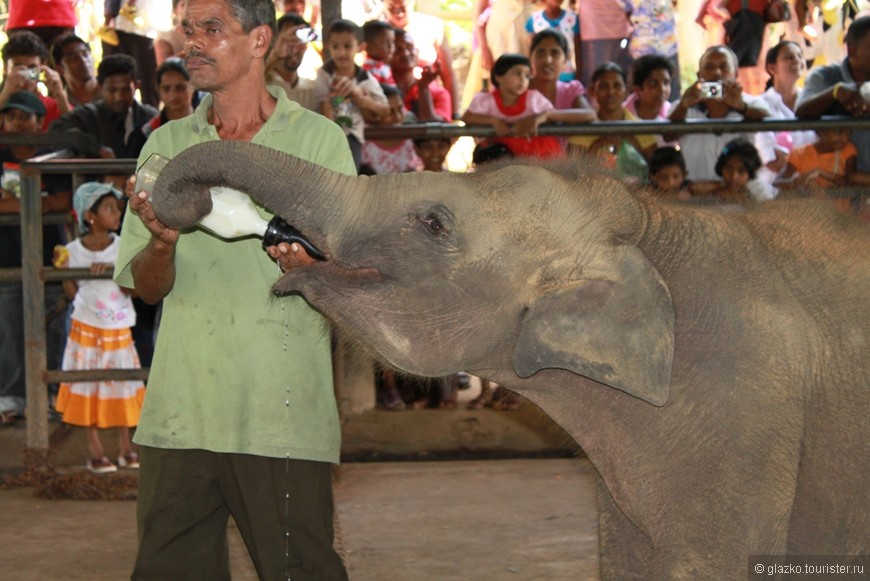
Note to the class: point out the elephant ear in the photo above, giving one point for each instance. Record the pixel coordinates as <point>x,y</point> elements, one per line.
<point>615,326</point>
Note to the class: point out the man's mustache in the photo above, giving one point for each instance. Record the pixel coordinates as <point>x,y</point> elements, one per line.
<point>192,54</point>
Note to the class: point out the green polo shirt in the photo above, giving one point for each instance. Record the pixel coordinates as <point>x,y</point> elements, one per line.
<point>236,369</point>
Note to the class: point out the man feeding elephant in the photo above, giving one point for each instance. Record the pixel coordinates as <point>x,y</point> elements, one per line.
<point>240,416</point>
<point>712,366</point>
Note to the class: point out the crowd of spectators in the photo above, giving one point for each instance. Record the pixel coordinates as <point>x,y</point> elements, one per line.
<point>534,63</point>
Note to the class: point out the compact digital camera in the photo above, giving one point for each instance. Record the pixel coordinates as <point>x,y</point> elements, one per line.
<point>711,90</point>
<point>307,35</point>
<point>32,74</point>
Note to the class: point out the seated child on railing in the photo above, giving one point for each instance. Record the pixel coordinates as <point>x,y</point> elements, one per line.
<point>514,110</point>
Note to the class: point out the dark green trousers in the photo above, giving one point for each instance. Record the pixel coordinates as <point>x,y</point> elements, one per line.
<point>283,509</point>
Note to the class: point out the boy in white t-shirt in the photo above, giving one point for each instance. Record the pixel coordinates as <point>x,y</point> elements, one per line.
<point>345,92</point>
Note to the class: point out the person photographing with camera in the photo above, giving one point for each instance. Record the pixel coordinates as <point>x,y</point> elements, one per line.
<point>24,62</point>
<point>716,95</point>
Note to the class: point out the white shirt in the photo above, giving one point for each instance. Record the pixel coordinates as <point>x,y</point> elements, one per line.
<point>100,302</point>
<point>701,150</point>
<point>302,93</point>
<point>363,79</point>
<point>779,110</point>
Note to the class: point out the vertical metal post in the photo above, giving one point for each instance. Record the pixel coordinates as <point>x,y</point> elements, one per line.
<point>330,11</point>
<point>34,311</point>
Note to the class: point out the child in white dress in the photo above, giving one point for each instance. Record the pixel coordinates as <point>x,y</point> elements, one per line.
<point>100,337</point>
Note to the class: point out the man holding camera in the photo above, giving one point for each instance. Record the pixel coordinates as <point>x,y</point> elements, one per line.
<point>24,62</point>
<point>282,66</point>
<point>835,89</point>
<point>716,95</point>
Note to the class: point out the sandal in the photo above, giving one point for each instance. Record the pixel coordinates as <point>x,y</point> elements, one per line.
<point>129,461</point>
<point>9,417</point>
<point>101,465</point>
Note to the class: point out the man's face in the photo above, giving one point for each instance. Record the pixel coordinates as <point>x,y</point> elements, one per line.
<point>118,92</point>
<point>717,66</point>
<point>289,46</point>
<point>859,59</point>
<point>18,121</point>
<point>405,54</point>
<point>397,13</point>
<point>77,62</point>
<point>25,66</point>
<point>217,50</point>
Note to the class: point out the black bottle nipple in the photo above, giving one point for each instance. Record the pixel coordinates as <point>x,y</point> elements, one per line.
<point>279,230</point>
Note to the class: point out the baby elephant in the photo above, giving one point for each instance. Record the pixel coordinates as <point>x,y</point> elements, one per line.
<point>713,366</point>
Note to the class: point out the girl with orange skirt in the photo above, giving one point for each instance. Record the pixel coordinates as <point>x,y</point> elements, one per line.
<point>100,337</point>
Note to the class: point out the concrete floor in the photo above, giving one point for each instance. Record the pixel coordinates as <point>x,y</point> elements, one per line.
<point>473,520</point>
<point>529,519</point>
<point>469,520</point>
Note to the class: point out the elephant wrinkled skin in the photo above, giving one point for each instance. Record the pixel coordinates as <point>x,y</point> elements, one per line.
<point>712,365</point>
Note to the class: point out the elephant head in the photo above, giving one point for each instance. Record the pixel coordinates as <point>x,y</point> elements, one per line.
<point>518,267</point>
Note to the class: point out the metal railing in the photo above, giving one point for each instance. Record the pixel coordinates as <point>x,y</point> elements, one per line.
<point>34,275</point>
<point>450,130</point>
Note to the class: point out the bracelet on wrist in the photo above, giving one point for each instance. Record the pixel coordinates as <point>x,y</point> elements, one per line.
<point>836,92</point>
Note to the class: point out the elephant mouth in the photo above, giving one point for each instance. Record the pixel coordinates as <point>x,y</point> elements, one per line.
<point>315,279</point>
<point>327,267</point>
<point>359,275</point>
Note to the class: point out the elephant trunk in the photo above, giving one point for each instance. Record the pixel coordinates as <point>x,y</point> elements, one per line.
<point>281,182</point>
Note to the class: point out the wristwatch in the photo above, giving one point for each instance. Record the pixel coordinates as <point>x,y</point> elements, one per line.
<point>836,92</point>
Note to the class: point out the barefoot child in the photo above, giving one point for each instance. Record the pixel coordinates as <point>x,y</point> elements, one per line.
<point>100,336</point>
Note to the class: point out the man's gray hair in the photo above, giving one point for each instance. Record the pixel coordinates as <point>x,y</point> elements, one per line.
<point>253,13</point>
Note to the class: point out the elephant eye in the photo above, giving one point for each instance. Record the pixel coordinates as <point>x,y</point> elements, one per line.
<point>433,223</point>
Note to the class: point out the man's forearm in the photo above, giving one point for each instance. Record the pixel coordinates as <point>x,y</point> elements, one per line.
<point>154,271</point>
<point>815,106</point>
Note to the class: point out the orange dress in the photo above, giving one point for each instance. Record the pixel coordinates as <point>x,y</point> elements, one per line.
<point>807,158</point>
<point>100,338</point>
